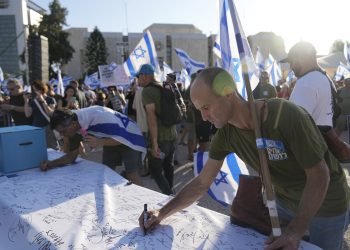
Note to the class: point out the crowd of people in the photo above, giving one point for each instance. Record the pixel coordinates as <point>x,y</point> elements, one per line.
<point>301,120</point>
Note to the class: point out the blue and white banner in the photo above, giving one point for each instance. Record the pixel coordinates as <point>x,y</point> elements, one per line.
<point>259,59</point>
<point>347,52</point>
<point>143,53</point>
<point>342,71</point>
<point>225,185</point>
<point>234,47</point>
<point>104,122</point>
<point>191,66</point>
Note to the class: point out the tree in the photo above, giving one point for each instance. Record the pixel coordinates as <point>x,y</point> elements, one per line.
<point>337,46</point>
<point>95,51</point>
<point>51,27</point>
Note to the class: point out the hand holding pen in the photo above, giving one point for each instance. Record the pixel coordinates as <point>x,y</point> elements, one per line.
<point>148,220</point>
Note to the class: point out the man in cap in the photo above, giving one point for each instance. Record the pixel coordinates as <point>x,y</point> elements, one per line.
<point>310,185</point>
<point>161,138</point>
<point>313,91</point>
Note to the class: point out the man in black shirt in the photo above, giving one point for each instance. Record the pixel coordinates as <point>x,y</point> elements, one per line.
<point>16,105</point>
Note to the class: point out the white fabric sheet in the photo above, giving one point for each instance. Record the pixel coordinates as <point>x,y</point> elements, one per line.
<point>88,206</point>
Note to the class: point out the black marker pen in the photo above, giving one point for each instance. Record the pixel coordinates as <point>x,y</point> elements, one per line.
<point>145,216</point>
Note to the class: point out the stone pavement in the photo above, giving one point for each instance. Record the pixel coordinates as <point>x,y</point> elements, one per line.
<point>184,173</point>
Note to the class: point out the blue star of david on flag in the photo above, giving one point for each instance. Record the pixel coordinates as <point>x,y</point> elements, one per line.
<point>123,119</point>
<point>139,52</point>
<point>222,178</point>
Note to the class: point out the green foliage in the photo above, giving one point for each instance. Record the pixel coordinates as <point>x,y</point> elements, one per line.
<point>95,51</point>
<point>51,27</point>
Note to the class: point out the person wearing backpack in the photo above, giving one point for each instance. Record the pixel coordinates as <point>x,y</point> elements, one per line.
<point>162,138</point>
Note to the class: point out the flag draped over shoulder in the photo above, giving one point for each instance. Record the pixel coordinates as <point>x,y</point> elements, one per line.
<point>143,53</point>
<point>225,185</point>
<point>191,66</point>
<point>103,122</point>
<point>233,47</point>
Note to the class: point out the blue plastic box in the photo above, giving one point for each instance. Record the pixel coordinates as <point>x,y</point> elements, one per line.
<point>21,147</point>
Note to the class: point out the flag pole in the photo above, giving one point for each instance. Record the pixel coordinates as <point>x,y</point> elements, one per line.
<point>270,195</point>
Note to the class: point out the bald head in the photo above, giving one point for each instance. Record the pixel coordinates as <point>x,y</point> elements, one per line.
<point>218,80</point>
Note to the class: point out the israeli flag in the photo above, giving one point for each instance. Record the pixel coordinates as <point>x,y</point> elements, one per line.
<point>269,61</point>
<point>184,78</point>
<point>259,59</point>
<point>104,122</point>
<point>225,185</point>
<point>347,52</point>
<point>166,70</point>
<point>234,47</point>
<point>66,80</point>
<point>144,53</point>
<point>92,80</point>
<point>1,76</point>
<point>188,63</point>
<point>275,73</point>
<point>342,71</point>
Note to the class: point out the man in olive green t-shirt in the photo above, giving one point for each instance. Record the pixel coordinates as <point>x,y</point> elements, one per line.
<point>162,138</point>
<point>310,185</point>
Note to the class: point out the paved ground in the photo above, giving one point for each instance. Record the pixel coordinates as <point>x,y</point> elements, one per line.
<point>184,173</point>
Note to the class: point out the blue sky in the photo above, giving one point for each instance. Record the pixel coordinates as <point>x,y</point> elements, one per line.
<point>320,22</point>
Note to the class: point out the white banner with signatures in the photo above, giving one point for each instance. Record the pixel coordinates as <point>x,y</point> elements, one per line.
<point>88,206</point>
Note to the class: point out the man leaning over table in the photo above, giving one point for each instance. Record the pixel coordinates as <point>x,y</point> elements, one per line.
<point>99,127</point>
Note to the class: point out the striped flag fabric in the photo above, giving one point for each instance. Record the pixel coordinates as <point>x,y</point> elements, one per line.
<point>225,185</point>
<point>275,73</point>
<point>105,122</point>
<point>143,53</point>
<point>259,59</point>
<point>234,47</point>
<point>191,65</point>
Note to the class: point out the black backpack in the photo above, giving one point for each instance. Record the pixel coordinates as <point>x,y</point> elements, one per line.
<point>173,109</point>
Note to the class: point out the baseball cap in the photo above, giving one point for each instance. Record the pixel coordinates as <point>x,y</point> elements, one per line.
<point>300,49</point>
<point>146,69</point>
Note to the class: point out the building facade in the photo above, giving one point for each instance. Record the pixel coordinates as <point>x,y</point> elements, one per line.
<point>166,37</point>
<point>15,18</point>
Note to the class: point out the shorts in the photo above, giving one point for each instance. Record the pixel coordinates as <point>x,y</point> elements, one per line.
<point>117,155</point>
<point>203,131</point>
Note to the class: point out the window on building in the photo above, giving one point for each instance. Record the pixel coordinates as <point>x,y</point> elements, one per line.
<point>4,4</point>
